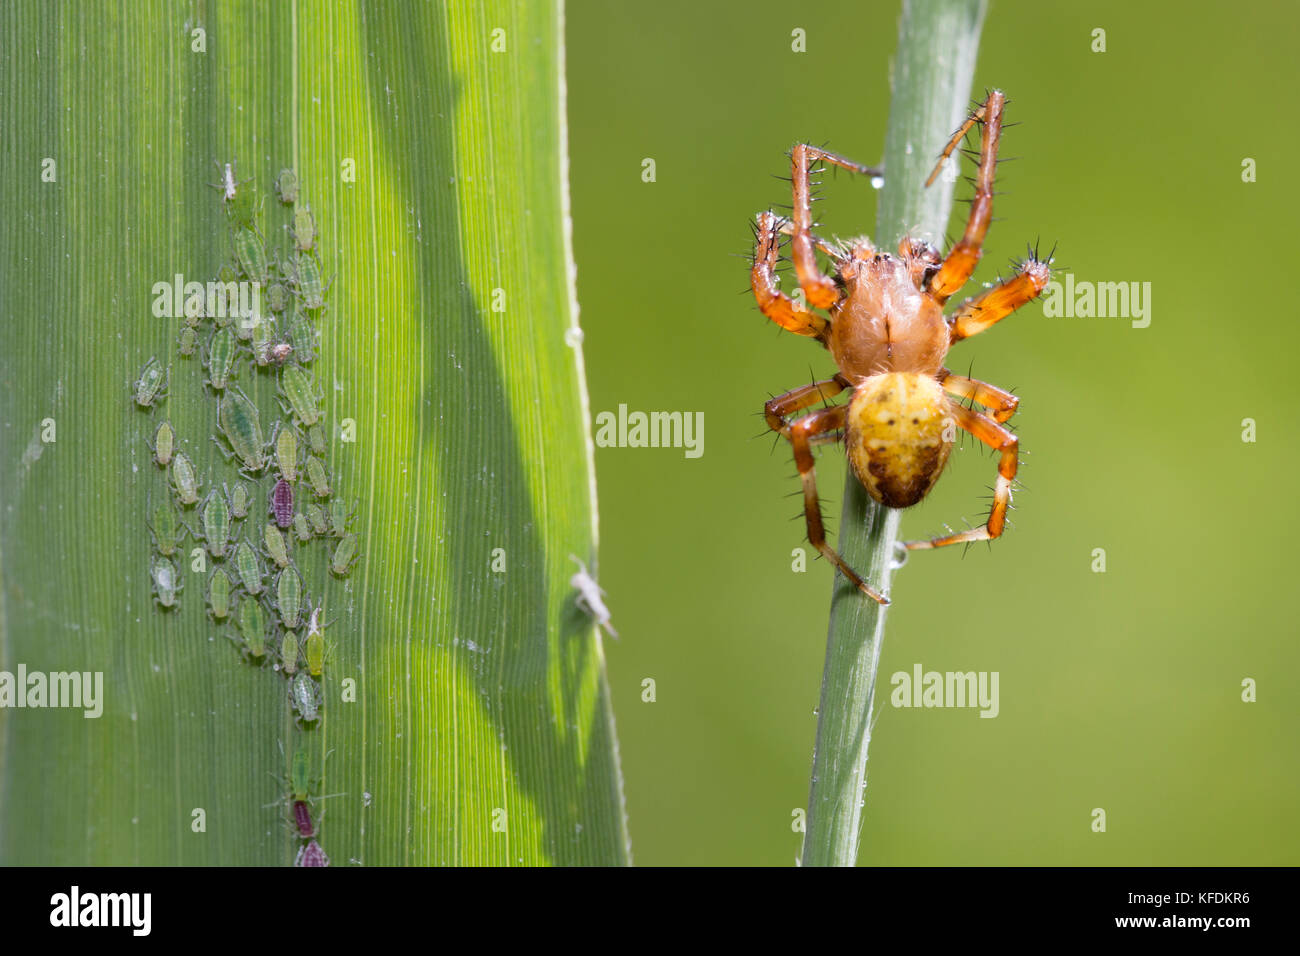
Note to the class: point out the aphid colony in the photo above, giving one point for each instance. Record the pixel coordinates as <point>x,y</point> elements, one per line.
<point>255,590</point>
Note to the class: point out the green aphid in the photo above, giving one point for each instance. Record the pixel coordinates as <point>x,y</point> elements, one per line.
<point>168,531</point>
<point>220,358</point>
<point>316,438</point>
<point>300,781</point>
<point>228,292</point>
<point>302,528</point>
<point>163,444</point>
<point>166,583</point>
<point>307,282</point>
<point>152,383</point>
<point>187,341</point>
<point>219,594</point>
<point>184,479</point>
<point>252,626</point>
<point>315,654</point>
<point>277,297</point>
<point>340,516</point>
<point>289,652</point>
<point>345,555</point>
<point>319,520</point>
<point>251,255</point>
<point>240,500</point>
<point>216,523</point>
<point>286,185</point>
<point>252,324</point>
<point>297,389</point>
<point>305,697</point>
<point>319,480</point>
<point>242,427</point>
<point>286,451</point>
<point>301,335</point>
<point>288,597</point>
<point>277,548</point>
<point>262,340</point>
<point>303,229</point>
<point>249,568</point>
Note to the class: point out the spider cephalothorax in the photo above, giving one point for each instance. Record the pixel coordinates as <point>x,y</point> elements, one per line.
<point>888,335</point>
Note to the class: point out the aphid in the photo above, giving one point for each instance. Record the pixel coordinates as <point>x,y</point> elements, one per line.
<point>240,499</point>
<point>302,819</point>
<point>340,516</point>
<point>228,291</point>
<point>305,697</point>
<point>303,229</point>
<point>289,653</point>
<point>282,503</point>
<point>591,597</point>
<point>219,594</point>
<point>279,353</point>
<point>216,523</point>
<point>316,438</point>
<point>300,775</point>
<point>297,389</point>
<point>888,336</point>
<point>253,326</point>
<point>301,335</point>
<point>277,296</point>
<point>315,653</point>
<point>252,625</point>
<point>251,255</point>
<point>166,583</point>
<point>286,185</point>
<point>184,480</point>
<point>187,341</point>
<point>345,555</point>
<point>228,184</point>
<point>220,358</point>
<point>288,597</point>
<point>320,483</point>
<point>307,282</point>
<point>243,429</point>
<point>286,451</point>
<point>276,547</point>
<point>311,855</point>
<point>301,528</point>
<point>319,521</point>
<point>152,383</point>
<point>249,568</point>
<point>262,341</point>
<point>168,531</point>
<point>163,444</point>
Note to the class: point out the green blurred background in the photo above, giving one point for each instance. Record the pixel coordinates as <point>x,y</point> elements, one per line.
<point>1119,690</point>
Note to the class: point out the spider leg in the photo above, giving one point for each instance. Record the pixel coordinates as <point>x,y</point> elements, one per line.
<point>980,313</point>
<point>774,303</point>
<point>819,289</point>
<point>999,439</point>
<point>964,256</point>
<point>777,410</point>
<point>819,422</point>
<point>1001,404</point>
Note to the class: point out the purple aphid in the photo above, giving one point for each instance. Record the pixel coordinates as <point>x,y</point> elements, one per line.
<point>311,855</point>
<point>302,819</point>
<point>282,503</point>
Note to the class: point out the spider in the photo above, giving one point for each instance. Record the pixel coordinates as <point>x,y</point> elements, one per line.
<point>888,336</point>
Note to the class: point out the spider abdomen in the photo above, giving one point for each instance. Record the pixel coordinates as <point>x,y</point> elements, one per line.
<point>898,434</point>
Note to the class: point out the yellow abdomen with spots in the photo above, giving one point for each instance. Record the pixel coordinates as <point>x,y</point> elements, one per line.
<point>898,434</point>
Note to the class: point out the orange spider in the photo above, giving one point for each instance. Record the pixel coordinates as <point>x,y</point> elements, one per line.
<point>888,336</point>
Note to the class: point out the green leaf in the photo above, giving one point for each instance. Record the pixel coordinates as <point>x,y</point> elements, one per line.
<point>481,731</point>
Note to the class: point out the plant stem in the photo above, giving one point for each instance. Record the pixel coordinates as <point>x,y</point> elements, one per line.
<point>937,45</point>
